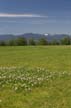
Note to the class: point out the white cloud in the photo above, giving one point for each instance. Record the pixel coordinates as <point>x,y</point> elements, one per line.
<point>7,15</point>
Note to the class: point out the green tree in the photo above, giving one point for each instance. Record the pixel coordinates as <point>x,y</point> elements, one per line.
<point>12,42</point>
<point>54,42</point>
<point>32,41</point>
<point>42,41</point>
<point>2,43</point>
<point>66,41</point>
<point>21,41</point>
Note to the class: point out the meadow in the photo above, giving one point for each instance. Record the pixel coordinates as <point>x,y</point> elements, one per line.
<point>53,58</point>
<point>35,77</point>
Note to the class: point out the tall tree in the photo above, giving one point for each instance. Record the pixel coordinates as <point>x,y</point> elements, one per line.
<point>2,43</point>
<point>11,42</point>
<point>32,41</point>
<point>21,41</point>
<point>55,42</point>
<point>66,41</point>
<point>42,41</point>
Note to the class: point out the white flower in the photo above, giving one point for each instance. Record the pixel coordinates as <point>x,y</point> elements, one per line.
<point>0,100</point>
<point>16,88</point>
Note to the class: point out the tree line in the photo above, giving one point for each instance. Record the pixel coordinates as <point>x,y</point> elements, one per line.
<point>22,41</point>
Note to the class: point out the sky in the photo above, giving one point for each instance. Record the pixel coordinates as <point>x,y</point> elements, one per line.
<point>35,16</point>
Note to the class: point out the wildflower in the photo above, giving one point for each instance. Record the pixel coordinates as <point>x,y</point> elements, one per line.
<point>16,88</point>
<point>0,100</point>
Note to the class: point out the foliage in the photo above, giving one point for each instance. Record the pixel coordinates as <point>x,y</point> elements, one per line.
<point>54,42</point>
<point>42,41</point>
<point>21,41</point>
<point>2,43</point>
<point>32,41</point>
<point>66,41</point>
<point>11,43</point>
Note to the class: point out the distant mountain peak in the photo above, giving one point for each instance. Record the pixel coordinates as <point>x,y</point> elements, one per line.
<point>46,34</point>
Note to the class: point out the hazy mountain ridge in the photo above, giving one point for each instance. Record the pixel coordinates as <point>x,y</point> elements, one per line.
<point>35,36</point>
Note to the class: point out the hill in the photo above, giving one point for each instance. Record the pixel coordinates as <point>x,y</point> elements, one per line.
<point>35,36</point>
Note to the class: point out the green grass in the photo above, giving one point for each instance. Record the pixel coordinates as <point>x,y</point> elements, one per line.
<point>47,89</point>
<point>54,58</point>
<point>41,77</point>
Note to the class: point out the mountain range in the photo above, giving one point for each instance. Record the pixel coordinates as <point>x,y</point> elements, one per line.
<point>35,36</point>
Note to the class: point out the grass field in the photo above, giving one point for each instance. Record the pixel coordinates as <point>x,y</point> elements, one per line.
<point>54,58</point>
<point>35,77</point>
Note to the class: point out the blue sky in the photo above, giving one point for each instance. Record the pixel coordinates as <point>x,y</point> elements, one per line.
<point>37,16</point>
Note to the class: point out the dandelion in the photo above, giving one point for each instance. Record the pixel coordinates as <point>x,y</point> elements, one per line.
<point>16,88</point>
<point>20,78</point>
<point>0,100</point>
